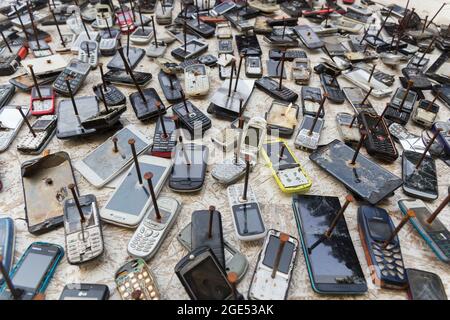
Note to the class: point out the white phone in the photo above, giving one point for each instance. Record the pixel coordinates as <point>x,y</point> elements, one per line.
<point>253,137</point>
<point>131,200</point>
<point>196,80</point>
<point>10,123</point>
<point>104,163</point>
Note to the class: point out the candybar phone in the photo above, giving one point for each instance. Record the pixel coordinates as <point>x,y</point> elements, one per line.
<point>44,129</point>
<point>33,272</point>
<point>84,291</point>
<point>311,98</point>
<point>121,77</point>
<point>191,117</point>
<point>248,44</point>
<point>308,37</point>
<point>164,143</point>
<point>401,116</point>
<point>113,96</point>
<point>253,67</point>
<point>425,113</point>
<point>385,262</point>
<point>69,125</point>
<point>307,139</point>
<point>348,127</point>
<point>147,109</point>
<point>274,69</point>
<point>135,281</point>
<point>75,72</point>
<point>132,54</point>
<point>42,102</point>
<point>421,182</point>
<point>272,88</point>
<point>333,265</point>
<point>170,86</point>
<point>282,118</point>
<point>331,87</point>
<point>272,277</point>
<point>423,285</point>
<point>7,244</point>
<point>203,29</point>
<point>356,97</point>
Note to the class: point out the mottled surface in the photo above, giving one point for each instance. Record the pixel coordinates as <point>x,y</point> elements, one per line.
<point>276,206</point>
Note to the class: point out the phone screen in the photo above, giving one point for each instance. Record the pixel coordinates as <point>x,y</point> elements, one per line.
<point>68,123</point>
<point>424,179</point>
<point>131,197</point>
<point>273,152</point>
<point>196,169</point>
<point>271,253</point>
<point>207,282</point>
<point>380,230</point>
<point>331,258</point>
<point>425,285</point>
<point>10,118</point>
<point>248,219</point>
<point>73,219</point>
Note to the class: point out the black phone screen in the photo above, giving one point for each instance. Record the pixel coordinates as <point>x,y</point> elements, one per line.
<point>271,253</point>
<point>68,123</point>
<point>333,258</point>
<point>425,285</point>
<point>274,68</point>
<point>380,230</point>
<point>207,282</point>
<point>248,219</point>
<point>197,167</point>
<point>424,179</point>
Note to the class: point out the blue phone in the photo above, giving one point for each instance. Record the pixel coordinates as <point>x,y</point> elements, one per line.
<point>32,274</point>
<point>7,241</point>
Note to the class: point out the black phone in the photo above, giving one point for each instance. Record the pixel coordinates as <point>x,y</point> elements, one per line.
<point>444,92</point>
<point>311,98</point>
<point>272,88</point>
<point>203,277</point>
<point>332,262</point>
<point>421,182</point>
<point>170,86</point>
<point>133,55</point>
<point>248,45</point>
<point>123,78</point>
<point>331,87</point>
<point>113,96</point>
<point>201,28</point>
<point>192,49</point>
<point>191,117</point>
<point>84,291</point>
<point>6,93</point>
<point>189,168</point>
<point>69,124</point>
<point>423,285</point>
<point>274,69</point>
<point>200,236</point>
<point>163,144</point>
<point>147,109</point>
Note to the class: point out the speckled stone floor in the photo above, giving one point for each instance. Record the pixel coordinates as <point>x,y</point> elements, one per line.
<point>275,205</point>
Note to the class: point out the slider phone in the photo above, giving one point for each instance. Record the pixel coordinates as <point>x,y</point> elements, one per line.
<point>234,260</point>
<point>11,121</point>
<point>384,258</point>
<point>192,49</point>
<point>84,291</point>
<point>335,159</point>
<point>40,134</point>
<point>273,271</point>
<point>308,37</point>
<point>132,54</point>
<point>309,132</point>
<point>379,143</point>
<point>170,86</point>
<point>272,88</point>
<point>435,234</point>
<point>42,100</point>
<point>311,98</point>
<point>206,231</point>
<point>191,117</point>
<point>82,228</point>
<point>287,171</point>
<point>135,281</point>
<point>423,285</point>
<point>75,72</point>
<point>33,272</point>
<point>71,117</point>
<point>332,263</point>
<point>121,77</point>
<point>419,182</point>
<point>152,231</point>
<point>281,118</point>
<point>348,127</point>
<point>189,167</point>
<point>164,138</point>
<point>147,109</point>
<point>7,244</point>
<point>110,158</point>
<point>203,276</point>
<point>332,88</point>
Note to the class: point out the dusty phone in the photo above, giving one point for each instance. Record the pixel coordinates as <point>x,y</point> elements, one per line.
<point>170,86</point>
<point>398,100</point>
<point>7,244</point>
<point>84,291</point>
<point>40,134</point>
<point>253,136</point>
<point>248,44</point>
<point>435,234</point>
<point>82,228</point>
<point>332,263</point>
<point>234,260</point>
<point>311,98</point>
<point>132,54</point>
<point>384,258</point>
<point>363,79</point>
<point>189,168</point>
<point>42,100</point>
<point>332,88</point>
<point>203,277</point>
<point>147,109</point>
<point>253,66</point>
<point>135,281</point>
<point>301,71</point>
<point>154,227</point>
<point>272,88</point>
<point>308,37</point>
<point>274,69</point>
<point>425,113</point>
<point>309,132</point>
<point>88,53</point>
<point>196,80</point>
<point>164,137</point>
<point>359,100</point>
<point>10,123</point>
<point>273,271</point>
<point>6,93</point>
<point>286,169</point>
<point>121,77</point>
<point>225,46</point>
<point>10,61</point>
<point>191,117</point>
<point>142,35</point>
<point>281,118</point>
<point>229,170</point>
<point>348,127</point>
<point>112,94</point>
<point>423,285</point>
<point>33,272</point>
<point>419,182</point>
<point>130,201</point>
<point>190,49</point>
<point>75,72</point>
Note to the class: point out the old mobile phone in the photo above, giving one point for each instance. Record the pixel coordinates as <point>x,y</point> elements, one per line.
<point>286,169</point>
<point>361,77</point>
<point>196,80</point>
<point>222,8</point>
<point>348,127</point>
<point>42,100</point>
<point>311,98</point>
<point>307,139</point>
<point>83,230</point>
<point>192,48</point>
<point>7,244</point>
<point>69,124</point>
<point>170,86</point>
<point>420,79</point>
<point>164,141</point>
<point>273,271</point>
<point>84,291</point>
<point>189,168</point>
<point>272,88</point>
<point>75,72</point>
<point>191,117</point>
<point>203,277</point>
<point>6,93</point>
<point>130,201</point>
<point>242,25</point>
<point>444,135</point>
<point>225,46</point>
<point>135,281</point>
<point>203,29</point>
<point>152,231</point>
<point>417,62</point>
<point>147,109</point>
<point>206,230</point>
<point>331,269</point>
<point>332,88</point>
<point>274,69</point>
<point>141,35</point>
<point>88,53</point>
<point>33,272</point>
<point>308,37</point>
<point>121,77</point>
<point>108,44</point>
<point>253,136</point>
<point>378,143</point>
<point>248,45</point>
<point>301,70</point>
<point>42,132</point>
<point>385,261</point>
<point>435,234</point>
<point>83,36</point>
<point>40,48</point>
<point>356,97</point>
<point>10,123</point>
<point>425,113</point>
<point>253,66</point>
<point>401,116</point>
<point>10,62</point>
<point>113,96</point>
<point>281,118</point>
<point>132,54</point>
<point>421,182</point>
<point>423,285</point>
<point>234,260</point>
<point>335,157</point>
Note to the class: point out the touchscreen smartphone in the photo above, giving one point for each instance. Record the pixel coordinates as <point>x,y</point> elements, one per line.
<point>425,285</point>
<point>422,182</point>
<point>69,124</point>
<point>105,162</point>
<point>333,265</point>
<point>84,291</point>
